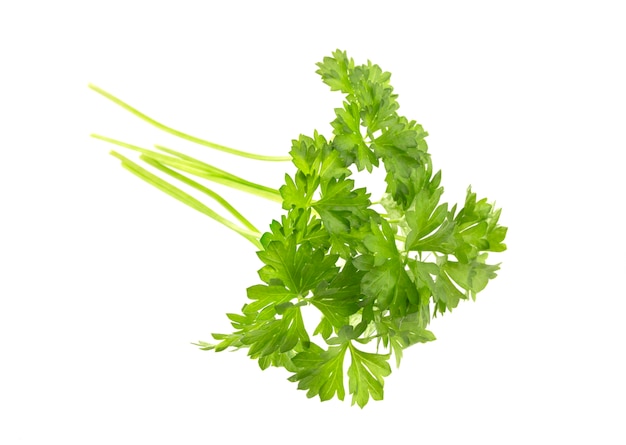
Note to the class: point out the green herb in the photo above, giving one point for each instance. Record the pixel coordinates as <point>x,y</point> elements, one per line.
<point>375,272</point>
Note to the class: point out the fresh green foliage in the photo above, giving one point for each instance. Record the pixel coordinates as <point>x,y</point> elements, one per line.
<point>374,272</point>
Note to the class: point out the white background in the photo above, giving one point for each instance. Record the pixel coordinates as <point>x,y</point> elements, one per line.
<point>105,282</point>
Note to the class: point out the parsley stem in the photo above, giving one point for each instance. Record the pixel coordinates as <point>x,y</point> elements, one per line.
<point>200,169</point>
<point>175,192</point>
<point>218,175</point>
<point>201,188</point>
<point>185,136</point>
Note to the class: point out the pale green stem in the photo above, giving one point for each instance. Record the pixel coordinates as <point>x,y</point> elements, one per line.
<point>250,187</point>
<point>185,136</point>
<point>201,188</point>
<point>177,193</point>
<point>202,170</point>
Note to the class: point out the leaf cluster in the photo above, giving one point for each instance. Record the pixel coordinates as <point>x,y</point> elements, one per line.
<point>369,274</point>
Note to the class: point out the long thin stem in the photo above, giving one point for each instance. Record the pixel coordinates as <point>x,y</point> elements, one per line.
<point>214,172</point>
<point>177,193</point>
<point>201,188</point>
<point>201,169</point>
<point>185,136</point>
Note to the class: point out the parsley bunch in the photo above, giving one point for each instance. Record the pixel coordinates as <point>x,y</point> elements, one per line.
<point>375,272</point>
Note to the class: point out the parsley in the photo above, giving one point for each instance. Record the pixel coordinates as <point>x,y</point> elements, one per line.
<point>376,272</point>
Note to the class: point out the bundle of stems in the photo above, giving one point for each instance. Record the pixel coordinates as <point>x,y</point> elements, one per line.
<point>182,168</point>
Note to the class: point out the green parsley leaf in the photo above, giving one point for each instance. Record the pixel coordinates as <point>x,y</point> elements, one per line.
<point>366,374</point>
